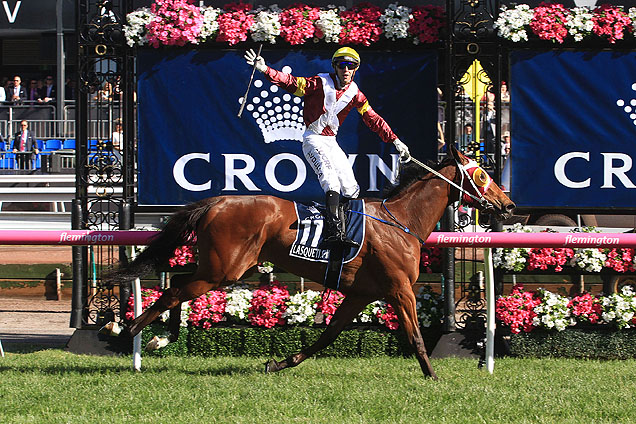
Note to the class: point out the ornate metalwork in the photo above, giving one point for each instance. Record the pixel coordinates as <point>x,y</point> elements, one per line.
<point>471,38</point>
<point>104,118</point>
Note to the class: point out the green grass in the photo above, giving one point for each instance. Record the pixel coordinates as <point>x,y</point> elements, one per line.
<point>53,386</point>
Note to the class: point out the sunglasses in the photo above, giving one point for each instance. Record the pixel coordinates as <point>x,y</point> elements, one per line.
<point>347,65</point>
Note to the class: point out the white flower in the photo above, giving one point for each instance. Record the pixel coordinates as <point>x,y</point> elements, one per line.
<point>579,23</point>
<point>266,25</point>
<point>511,23</point>
<point>591,260</point>
<point>329,23</point>
<point>553,311</point>
<point>396,21</point>
<point>301,307</point>
<point>238,300</point>
<point>210,25</point>
<point>135,31</point>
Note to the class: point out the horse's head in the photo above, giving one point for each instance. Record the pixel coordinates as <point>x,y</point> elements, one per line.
<point>478,189</point>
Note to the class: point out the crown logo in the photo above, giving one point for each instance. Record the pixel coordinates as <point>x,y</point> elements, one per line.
<point>278,114</point>
<point>629,106</point>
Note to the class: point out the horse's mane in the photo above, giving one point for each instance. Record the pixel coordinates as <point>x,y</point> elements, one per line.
<point>409,173</point>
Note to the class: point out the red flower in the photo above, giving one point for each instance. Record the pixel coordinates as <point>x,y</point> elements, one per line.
<point>549,21</point>
<point>235,23</point>
<point>586,307</point>
<point>517,309</point>
<point>426,23</point>
<point>361,25</point>
<point>208,309</point>
<point>268,304</point>
<point>610,22</point>
<point>327,306</point>
<point>297,23</point>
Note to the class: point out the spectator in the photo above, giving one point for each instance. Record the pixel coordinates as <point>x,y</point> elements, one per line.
<point>24,141</point>
<point>48,92</point>
<point>118,135</point>
<point>3,91</point>
<point>17,93</point>
<point>105,94</point>
<point>32,92</point>
<point>505,94</point>
<point>505,144</point>
<point>69,89</point>
<point>467,137</point>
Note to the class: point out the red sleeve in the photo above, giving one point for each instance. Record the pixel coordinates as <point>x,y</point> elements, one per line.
<point>372,120</point>
<point>295,85</point>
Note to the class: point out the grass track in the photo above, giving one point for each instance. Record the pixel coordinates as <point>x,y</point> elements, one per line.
<point>53,386</point>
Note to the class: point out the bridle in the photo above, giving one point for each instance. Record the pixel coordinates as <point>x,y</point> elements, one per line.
<point>467,171</point>
<point>470,171</point>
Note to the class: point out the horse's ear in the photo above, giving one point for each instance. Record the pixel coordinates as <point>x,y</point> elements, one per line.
<point>456,154</point>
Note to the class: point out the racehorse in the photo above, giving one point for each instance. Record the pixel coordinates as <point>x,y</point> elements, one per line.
<point>235,233</point>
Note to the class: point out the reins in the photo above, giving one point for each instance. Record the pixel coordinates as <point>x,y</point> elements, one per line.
<point>397,224</point>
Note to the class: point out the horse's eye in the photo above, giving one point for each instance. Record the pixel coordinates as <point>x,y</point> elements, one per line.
<point>480,177</point>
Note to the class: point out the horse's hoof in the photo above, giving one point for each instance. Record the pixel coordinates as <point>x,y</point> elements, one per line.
<point>271,366</point>
<point>157,343</point>
<point>110,329</point>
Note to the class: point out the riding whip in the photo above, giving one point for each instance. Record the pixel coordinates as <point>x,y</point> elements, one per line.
<point>249,84</point>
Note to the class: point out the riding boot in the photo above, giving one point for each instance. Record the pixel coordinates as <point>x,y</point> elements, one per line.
<point>333,226</point>
<point>335,223</point>
<point>343,227</point>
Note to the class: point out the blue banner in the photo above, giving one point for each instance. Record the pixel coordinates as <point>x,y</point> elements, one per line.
<point>192,145</point>
<point>573,117</point>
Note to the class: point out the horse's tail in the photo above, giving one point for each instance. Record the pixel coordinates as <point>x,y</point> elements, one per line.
<point>178,231</point>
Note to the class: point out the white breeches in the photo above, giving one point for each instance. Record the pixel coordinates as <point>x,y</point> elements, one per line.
<point>330,164</point>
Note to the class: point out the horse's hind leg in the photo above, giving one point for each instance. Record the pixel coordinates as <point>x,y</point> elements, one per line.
<point>183,287</point>
<point>346,312</point>
<point>405,307</point>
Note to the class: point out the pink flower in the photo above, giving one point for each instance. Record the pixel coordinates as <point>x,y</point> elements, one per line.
<point>388,317</point>
<point>177,22</point>
<point>586,308</point>
<point>297,23</point>
<point>427,23</point>
<point>548,257</point>
<point>611,22</point>
<point>182,256</point>
<point>549,21</point>
<point>517,309</point>
<point>431,258</point>
<point>268,304</point>
<point>327,306</point>
<point>148,298</point>
<point>208,309</point>
<point>620,260</point>
<point>361,25</point>
<point>234,24</point>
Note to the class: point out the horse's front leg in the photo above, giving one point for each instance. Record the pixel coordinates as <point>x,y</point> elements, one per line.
<point>405,306</point>
<point>346,312</point>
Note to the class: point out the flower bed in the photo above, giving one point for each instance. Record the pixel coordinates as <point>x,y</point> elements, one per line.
<point>543,324</point>
<point>553,22</point>
<point>179,22</point>
<point>271,305</point>
<point>268,320</point>
<point>525,311</point>
<point>594,260</point>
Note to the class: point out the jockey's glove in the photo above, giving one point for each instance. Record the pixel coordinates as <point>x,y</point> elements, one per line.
<point>253,59</point>
<point>405,156</point>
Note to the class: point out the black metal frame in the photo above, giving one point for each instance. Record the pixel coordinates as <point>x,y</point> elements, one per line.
<point>104,176</point>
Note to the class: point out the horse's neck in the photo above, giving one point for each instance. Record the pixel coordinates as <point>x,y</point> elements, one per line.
<point>422,204</point>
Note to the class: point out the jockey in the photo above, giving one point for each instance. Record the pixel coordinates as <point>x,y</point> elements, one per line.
<point>329,98</point>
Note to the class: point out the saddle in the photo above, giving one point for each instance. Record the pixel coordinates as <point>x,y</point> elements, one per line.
<point>308,243</point>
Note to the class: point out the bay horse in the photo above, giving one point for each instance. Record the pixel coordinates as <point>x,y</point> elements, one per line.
<point>235,233</point>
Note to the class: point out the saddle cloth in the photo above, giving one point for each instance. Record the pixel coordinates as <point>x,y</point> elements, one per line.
<point>310,231</point>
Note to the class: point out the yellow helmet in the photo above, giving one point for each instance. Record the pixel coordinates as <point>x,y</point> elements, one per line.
<point>346,53</point>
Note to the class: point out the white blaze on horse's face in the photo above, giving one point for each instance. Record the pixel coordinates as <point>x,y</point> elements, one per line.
<point>479,180</point>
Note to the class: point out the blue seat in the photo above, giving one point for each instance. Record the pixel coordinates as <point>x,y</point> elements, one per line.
<point>51,145</point>
<point>7,161</point>
<point>69,143</point>
<point>92,145</point>
<point>40,144</point>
